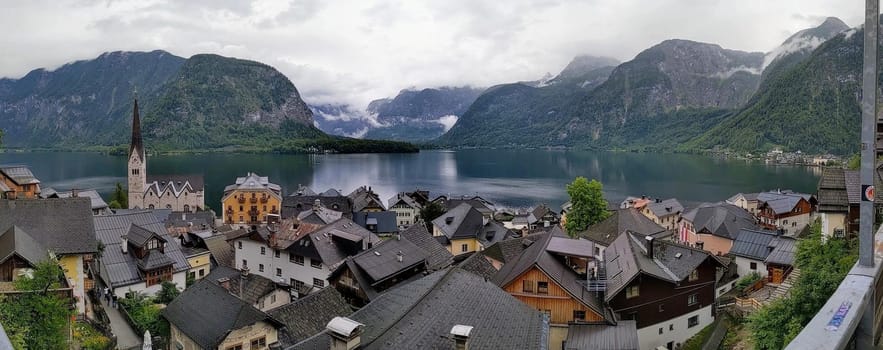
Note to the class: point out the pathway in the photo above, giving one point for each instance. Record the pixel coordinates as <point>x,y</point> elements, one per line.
<point>126,337</point>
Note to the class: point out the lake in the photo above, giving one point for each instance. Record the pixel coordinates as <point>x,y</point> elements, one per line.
<point>513,178</point>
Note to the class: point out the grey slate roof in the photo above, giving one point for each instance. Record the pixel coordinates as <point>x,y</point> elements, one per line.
<point>783,253</point>
<point>4,188</point>
<point>321,242</point>
<point>364,197</point>
<point>438,256</point>
<point>721,219</point>
<point>308,315</point>
<point>94,197</point>
<point>195,220</point>
<point>250,288</point>
<point>154,259</point>
<point>16,241</point>
<point>380,262</point>
<point>122,269</point>
<point>405,199</point>
<point>510,249</point>
<point>483,207</point>
<point>420,315</point>
<point>221,251</point>
<point>492,233</point>
<point>385,221</point>
<point>478,264</point>
<point>206,313</point>
<point>832,191</point>
<point>252,181</point>
<point>463,221</point>
<point>20,174</point>
<point>781,202</point>
<point>627,257</point>
<point>295,204</point>
<point>666,207</point>
<point>319,215</point>
<point>62,225</point>
<point>753,244</point>
<point>622,336</point>
<point>537,254</point>
<point>621,220</point>
<point>138,235</point>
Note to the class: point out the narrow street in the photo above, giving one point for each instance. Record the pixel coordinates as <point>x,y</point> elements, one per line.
<point>126,337</point>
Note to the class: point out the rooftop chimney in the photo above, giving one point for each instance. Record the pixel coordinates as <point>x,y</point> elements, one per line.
<point>224,282</point>
<point>649,245</point>
<point>74,192</point>
<point>400,256</point>
<point>316,204</point>
<point>345,333</point>
<point>460,333</point>
<point>244,272</point>
<point>124,245</point>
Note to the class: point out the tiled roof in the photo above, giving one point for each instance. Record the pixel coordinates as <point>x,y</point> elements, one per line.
<point>319,215</point>
<point>17,241</point>
<point>720,219</point>
<point>363,197</point>
<point>385,221</point>
<point>62,225</point>
<point>783,253</point>
<point>753,244</point>
<point>122,269</point>
<point>154,259</point>
<point>463,221</point>
<point>538,255</point>
<point>832,191</point>
<point>221,251</point>
<point>439,257</point>
<point>97,201</point>
<point>621,220</point>
<point>138,235</point>
<point>381,261</point>
<point>308,315</point>
<point>627,257</point>
<point>295,204</point>
<point>420,315</point>
<point>493,232</point>
<point>479,264</point>
<point>482,206</point>
<point>20,174</point>
<point>404,198</point>
<point>176,184</point>
<point>510,249</point>
<point>622,336</point>
<point>666,207</point>
<point>205,312</point>
<point>321,242</point>
<point>250,288</point>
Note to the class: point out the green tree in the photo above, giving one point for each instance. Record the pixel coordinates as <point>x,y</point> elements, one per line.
<point>589,205</point>
<point>854,162</point>
<point>120,198</point>
<point>168,293</point>
<point>429,212</point>
<point>823,265</point>
<point>37,318</point>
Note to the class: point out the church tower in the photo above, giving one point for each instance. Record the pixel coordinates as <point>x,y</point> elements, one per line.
<point>137,164</point>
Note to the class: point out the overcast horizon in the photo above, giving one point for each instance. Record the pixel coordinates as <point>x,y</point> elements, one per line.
<point>355,52</point>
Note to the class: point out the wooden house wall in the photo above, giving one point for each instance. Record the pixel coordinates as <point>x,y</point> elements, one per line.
<point>558,301</point>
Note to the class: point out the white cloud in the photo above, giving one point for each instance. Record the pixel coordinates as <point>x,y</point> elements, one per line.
<point>356,51</point>
<point>447,121</point>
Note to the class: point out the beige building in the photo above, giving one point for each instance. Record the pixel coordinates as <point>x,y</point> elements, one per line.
<point>176,192</point>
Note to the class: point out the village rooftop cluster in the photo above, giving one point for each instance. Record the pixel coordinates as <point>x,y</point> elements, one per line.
<point>332,270</point>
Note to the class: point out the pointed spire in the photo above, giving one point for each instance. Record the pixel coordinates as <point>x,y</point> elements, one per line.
<point>136,133</point>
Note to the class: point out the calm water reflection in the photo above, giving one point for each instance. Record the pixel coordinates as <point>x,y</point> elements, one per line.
<point>509,177</point>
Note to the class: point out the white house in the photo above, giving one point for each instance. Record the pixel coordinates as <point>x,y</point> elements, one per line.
<point>406,208</point>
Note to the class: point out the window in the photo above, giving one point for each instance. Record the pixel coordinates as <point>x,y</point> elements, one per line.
<point>235,347</point>
<point>315,263</point>
<point>693,321</point>
<point>275,253</point>
<point>548,313</point>
<point>597,251</point>
<point>240,208</point>
<point>260,267</point>
<point>793,224</point>
<point>244,263</point>
<point>694,275</point>
<point>298,285</point>
<point>278,272</point>
<point>632,291</point>
<point>318,283</point>
<point>464,247</point>
<point>579,315</point>
<point>201,273</point>
<point>239,244</point>
<point>671,326</point>
<point>527,286</point>
<point>259,343</point>
<point>241,218</point>
<point>192,275</point>
<point>263,250</point>
<point>660,330</point>
<point>753,266</point>
<point>297,259</point>
<point>543,287</point>
<point>273,298</point>
<point>661,307</point>
<point>692,299</point>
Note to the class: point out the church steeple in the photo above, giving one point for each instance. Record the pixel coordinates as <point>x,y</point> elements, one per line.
<point>137,145</point>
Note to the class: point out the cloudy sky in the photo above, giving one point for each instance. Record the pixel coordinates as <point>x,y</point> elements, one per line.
<point>356,51</point>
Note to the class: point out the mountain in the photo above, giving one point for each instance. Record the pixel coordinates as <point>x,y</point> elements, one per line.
<point>342,120</point>
<point>812,107</point>
<point>420,115</point>
<point>201,103</point>
<point>82,103</point>
<point>799,46</point>
<point>674,79</point>
<point>217,101</point>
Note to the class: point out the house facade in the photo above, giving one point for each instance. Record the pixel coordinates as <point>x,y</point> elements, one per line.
<point>620,221</point>
<point>18,182</point>
<point>252,200</point>
<point>786,211</point>
<point>175,192</point>
<point>713,226</point>
<point>407,209</point>
<point>464,229</point>
<point>361,278</point>
<point>667,288</point>
<point>665,213</point>
<point>767,253</point>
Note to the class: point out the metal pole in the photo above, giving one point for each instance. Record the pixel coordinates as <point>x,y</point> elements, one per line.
<point>869,125</point>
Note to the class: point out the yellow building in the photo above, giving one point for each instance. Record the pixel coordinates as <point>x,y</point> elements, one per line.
<point>252,200</point>
<point>467,230</point>
<point>199,261</point>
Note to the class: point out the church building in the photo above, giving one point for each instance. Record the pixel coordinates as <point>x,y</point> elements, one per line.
<point>184,193</point>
